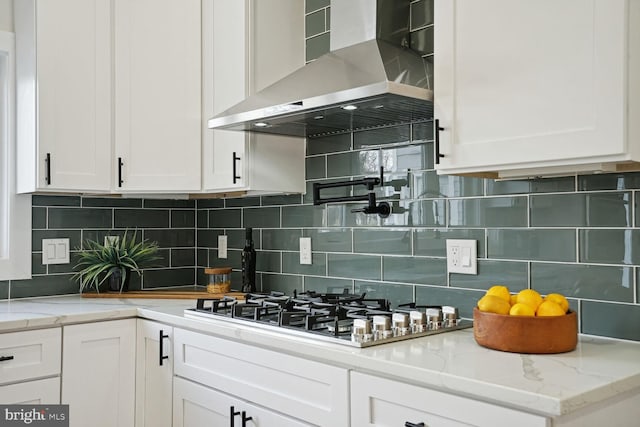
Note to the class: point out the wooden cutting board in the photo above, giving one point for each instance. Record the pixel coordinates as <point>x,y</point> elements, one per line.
<point>161,294</point>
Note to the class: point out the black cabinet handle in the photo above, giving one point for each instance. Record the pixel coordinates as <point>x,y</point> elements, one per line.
<point>5,358</point>
<point>232,415</point>
<point>162,337</point>
<point>235,173</point>
<point>120,172</point>
<point>437,130</point>
<point>245,419</point>
<point>47,162</point>
<point>409,424</point>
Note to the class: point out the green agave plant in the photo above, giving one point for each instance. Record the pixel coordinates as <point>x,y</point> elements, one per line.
<point>98,262</point>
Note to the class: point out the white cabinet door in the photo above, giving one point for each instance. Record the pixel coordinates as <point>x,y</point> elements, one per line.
<point>225,84</point>
<point>157,95</point>
<point>64,95</point>
<point>197,406</point>
<point>538,85</point>
<point>154,374</point>
<point>385,403</point>
<point>98,373</point>
<point>268,44</point>
<point>40,392</point>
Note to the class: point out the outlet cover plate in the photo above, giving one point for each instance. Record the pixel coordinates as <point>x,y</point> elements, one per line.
<point>305,250</point>
<point>462,256</point>
<point>55,251</point>
<point>222,246</point>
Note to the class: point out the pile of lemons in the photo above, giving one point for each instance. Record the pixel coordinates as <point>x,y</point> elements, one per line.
<point>527,302</point>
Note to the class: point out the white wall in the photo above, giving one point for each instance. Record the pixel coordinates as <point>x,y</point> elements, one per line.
<point>6,15</point>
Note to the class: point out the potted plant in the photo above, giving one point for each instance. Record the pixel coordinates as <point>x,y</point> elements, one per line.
<point>115,260</point>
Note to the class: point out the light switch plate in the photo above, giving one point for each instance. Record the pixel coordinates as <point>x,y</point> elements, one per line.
<point>462,256</point>
<point>305,250</point>
<point>222,246</point>
<point>55,251</point>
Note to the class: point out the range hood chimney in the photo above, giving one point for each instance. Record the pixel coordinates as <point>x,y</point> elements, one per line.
<point>369,79</point>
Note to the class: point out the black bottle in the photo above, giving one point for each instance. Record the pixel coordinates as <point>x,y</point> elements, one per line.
<point>248,263</point>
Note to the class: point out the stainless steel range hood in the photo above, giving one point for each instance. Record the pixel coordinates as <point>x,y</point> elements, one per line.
<point>367,80</point>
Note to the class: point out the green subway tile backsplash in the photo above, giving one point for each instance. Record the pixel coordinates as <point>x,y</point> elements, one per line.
<point>329,144</point>
<point>575,235</point>
<point>426,271</point>
<point>329,239</point>
<point>315,23</point>
<point>615,246</point>
<point>313,5</point>
<point>268,217</point>
<point>80,218</point>
<point>610,320</point>
<point>514,275</point>
<point>581,210</point>
<point>612,181</point>
<point>543,185</point>
<point>532,244</point>
<point>382,241</point>
<point>354,266</point>
<point>317,46</point>
<point>607,283</point>
<point>396,293</point>
<point>488,212</point>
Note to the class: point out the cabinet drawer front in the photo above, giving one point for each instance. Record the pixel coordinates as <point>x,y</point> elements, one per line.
<point>304,389</point>
<point>39,392</point>
<point>35,354</point>
<point>385,403</point>
<point>196,405</point>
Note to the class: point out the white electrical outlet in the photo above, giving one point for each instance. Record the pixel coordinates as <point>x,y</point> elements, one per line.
<point>462,256</point>
<point>305,250</point>
<point>55,251</point>
<point>222,246</point>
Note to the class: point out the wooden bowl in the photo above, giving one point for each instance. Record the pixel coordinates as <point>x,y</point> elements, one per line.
<point>522,334</point>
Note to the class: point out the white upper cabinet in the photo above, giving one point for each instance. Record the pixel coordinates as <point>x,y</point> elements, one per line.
<point>248,45</point>
<point>157,95</point>
<point>64,77</point>
<point>537,88</point>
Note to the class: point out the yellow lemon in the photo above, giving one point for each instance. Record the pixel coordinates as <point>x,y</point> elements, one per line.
<point>549,308</point>
<point>514,299</point>
<point>501,292</point>
<point>558,299</point>
<point>493,304</point>
<point>521,309</point>
<point>530,297</point>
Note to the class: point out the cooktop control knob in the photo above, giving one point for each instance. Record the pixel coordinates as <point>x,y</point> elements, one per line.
<point>433,318</point>
<point>400,324</point>
<point>418,321</point>
<point>450,316</point>
<point>381,327</point>
<point>361,330</point>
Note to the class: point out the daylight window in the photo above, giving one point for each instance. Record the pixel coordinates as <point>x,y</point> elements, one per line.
<point>15,210</point>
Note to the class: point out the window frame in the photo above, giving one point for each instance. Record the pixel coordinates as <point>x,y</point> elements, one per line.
<point>15,209</point>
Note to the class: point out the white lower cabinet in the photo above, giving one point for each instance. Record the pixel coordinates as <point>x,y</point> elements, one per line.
<point>281,390</point>
<point>154,374</point>
<point>27,358</point>
<point>381,402</point>
<point>98,373</point>
<point>195,405</point>
<point>39,392</point>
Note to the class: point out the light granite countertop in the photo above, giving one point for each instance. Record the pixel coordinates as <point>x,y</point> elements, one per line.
<point>549,385</point>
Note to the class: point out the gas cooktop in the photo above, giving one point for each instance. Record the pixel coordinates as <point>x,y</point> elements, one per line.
<point>344,318</point>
